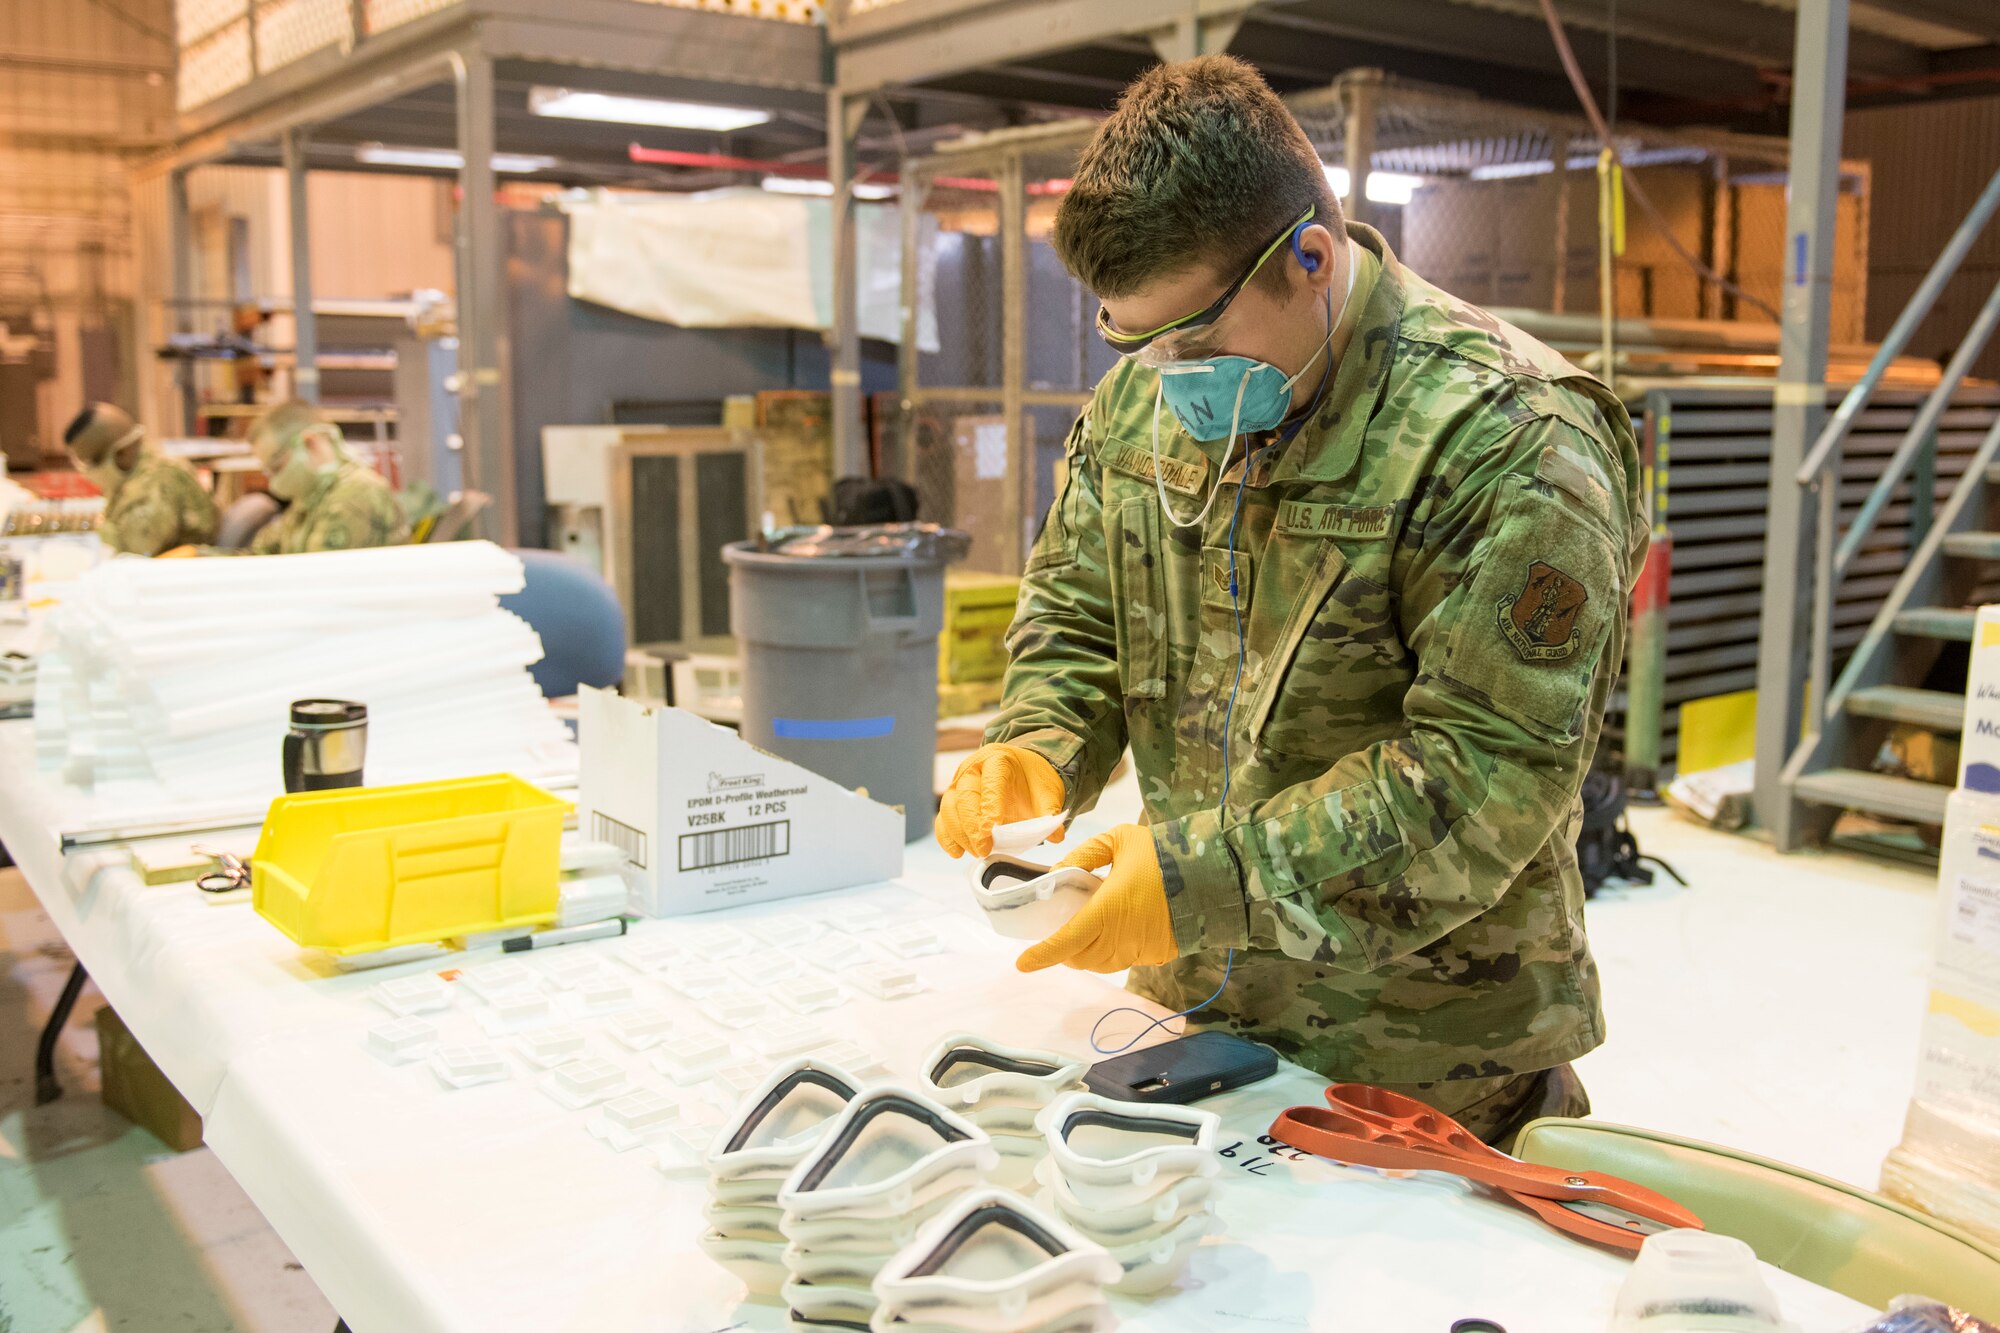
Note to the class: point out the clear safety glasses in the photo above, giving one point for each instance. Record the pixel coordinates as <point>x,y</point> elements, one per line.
<point>1190,337</point>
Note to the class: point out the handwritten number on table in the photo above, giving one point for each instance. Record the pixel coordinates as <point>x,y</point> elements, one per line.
<point>1260,1163</point>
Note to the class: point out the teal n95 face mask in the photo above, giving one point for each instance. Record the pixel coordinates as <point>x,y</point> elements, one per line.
<point>1221,397</point>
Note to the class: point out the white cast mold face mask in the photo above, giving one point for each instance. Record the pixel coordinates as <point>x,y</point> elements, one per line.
<point>1117,1155</point>
<point>892,1149</point>
<point>991,1263</point>
<point>1024,898</point>
<point>772,1131</point>
<point>996,1085</point>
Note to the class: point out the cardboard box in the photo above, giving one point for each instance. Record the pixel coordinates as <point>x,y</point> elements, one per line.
<point>986,490</point>
<point>1979,744</point>
<point>797,430</point>
<point>134,1087</point>
<point>1948,1163</point>
<point>707,820</point>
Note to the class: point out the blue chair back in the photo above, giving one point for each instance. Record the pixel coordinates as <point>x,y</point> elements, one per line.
<point>579,619</point>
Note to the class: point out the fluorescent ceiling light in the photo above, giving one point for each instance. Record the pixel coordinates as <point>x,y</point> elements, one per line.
<point>797,185</point>
<point>1502,171</point>
<point>1631,157</point>
<point>1384,187</point>
<point>447,159</point>
<point>810,185</point>
<point>572,104</point>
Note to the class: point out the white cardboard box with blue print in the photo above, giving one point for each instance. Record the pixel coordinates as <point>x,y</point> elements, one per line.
<point>1979,744</point>
<point>707,820</point>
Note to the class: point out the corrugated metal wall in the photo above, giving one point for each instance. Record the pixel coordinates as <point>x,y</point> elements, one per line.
<point>84,90</point>
<point>1930,161</point>
<point>378,235</point>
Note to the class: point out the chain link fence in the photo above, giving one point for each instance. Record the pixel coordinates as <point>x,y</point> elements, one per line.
<point>1495,203</point>
<point>981,422</point>
<point>1501,205</point>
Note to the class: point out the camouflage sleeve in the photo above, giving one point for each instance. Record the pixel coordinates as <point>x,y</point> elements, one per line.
<point>1062,696</point>
<point>147,526</point>
<point>199,515</point>
<point>357,515</point>
<point>267,540</point>
<point>1514,607</point>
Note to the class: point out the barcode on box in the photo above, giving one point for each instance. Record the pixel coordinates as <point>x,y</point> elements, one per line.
<point>701,851</point>
<point>620,835</point>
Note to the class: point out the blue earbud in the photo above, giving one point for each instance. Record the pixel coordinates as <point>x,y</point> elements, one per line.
<point>1310,263</point>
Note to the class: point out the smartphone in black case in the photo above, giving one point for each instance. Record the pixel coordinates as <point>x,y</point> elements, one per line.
<point>1185,1069</point>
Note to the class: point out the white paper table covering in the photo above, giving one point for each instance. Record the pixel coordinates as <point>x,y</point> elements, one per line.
<point>418,1208</point>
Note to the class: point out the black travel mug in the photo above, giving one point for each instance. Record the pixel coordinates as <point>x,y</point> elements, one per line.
<point>325,748</point>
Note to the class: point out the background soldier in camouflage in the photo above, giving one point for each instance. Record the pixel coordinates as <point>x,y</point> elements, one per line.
<point>152,503</point>
<point>333,500</point>
<point>1365,821</point>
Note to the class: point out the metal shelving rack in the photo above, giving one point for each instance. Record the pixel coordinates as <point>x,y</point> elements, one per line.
<point>292,65</point>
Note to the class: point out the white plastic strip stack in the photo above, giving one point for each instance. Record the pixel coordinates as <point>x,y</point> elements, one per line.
<point>180,673</point>
<point>1001,1089</point>
<point>1135,1178</point>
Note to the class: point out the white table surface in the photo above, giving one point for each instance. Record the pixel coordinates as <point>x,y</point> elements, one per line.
<point>419,1208</point>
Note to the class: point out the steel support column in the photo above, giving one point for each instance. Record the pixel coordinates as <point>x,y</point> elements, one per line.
<point>1193,36</point>
<point>1013,221</point>
<point>180,267</point>
<point>843,337</point>
<point>1646,644</point>
<point>903,465</point>
<point>1359,89</point>
<point>482,310</point>
<point>1819,69</point>
<point>1559,205</point>
<point>1721,240</point>
<point>305,325</point>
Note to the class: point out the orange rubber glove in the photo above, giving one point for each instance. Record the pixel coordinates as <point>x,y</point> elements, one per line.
<point>999,784</point>
<point>179,553</point>
<point>1126,922</point>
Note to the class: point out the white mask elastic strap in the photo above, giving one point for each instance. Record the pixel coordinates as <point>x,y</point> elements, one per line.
<point>1215,488</point>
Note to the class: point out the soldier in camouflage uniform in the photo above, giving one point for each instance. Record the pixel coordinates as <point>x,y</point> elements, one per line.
<point>1362,688</point>
<point>152,503</point>
<point>333,500</point>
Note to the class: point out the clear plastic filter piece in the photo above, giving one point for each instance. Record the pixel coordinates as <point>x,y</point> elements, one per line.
<point>468,1064</point>
<point>407,996</point>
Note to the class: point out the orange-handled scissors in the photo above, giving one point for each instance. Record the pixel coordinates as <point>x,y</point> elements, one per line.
<point>1369,1126</point>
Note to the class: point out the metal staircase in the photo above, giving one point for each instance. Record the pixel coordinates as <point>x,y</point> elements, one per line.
<point>1893,674</point>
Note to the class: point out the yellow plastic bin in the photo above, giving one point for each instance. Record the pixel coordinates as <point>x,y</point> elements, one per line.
<point>380,867</point>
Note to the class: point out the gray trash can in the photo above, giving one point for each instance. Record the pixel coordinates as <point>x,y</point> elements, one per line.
<point>840,667</point>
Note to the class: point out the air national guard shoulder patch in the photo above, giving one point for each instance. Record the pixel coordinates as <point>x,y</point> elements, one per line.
<point>1540,620</point>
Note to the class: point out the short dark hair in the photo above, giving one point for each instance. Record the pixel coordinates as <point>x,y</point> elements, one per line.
<point>1200,161</point>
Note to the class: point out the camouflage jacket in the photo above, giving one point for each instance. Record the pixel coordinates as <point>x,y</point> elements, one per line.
<point>348,507</point>
<point>159,506</point>
<point>1432,580</point>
